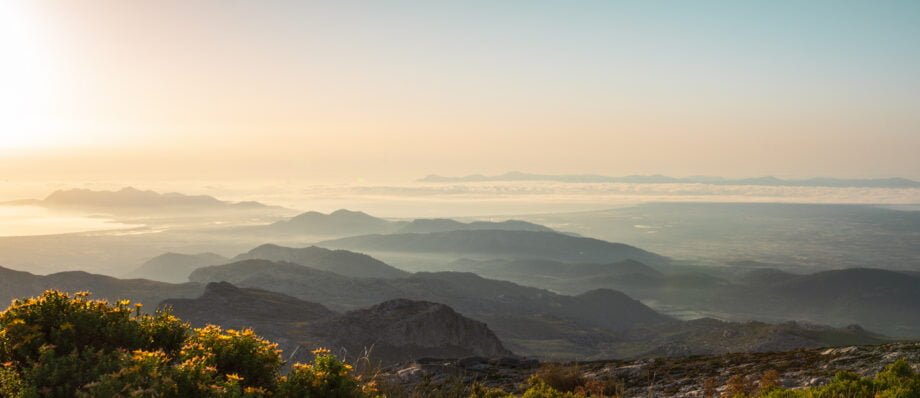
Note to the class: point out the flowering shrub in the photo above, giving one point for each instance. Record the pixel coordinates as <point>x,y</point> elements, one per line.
<point>326,377</point>
<point>61,345</point>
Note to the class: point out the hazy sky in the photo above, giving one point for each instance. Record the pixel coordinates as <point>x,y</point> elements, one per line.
<point>344,90</point>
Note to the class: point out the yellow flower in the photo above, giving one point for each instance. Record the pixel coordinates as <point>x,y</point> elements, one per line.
<point>321,351</point>
<point>234,377</point>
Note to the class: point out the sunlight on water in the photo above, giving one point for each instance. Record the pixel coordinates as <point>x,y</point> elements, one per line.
<point>34,220</point>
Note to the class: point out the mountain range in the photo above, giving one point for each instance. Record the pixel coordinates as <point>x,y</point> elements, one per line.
<point>881,300</point>
<point>390,332</point>
<point>596,324</point>
<point>341,262</point>
<point>661,179</point>
<point>345,222</point>
<point>130,199</point>
<point>502,244</point>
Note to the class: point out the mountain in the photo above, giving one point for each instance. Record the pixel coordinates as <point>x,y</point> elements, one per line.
<point>706,336</point>
<point>175,267</point>
<point>444,225</point>
<point>597,324</point>
<point>393,331</point>
<point>132,199</point>
<point>401,329</point>
<point>342,262</point>
<point>346,222</point>
<point>660,179</point>
<point>542,272</point>
<point>501,244</point>
<point>878,299</point>
<point>339,222</point>
<point>525,318</point>
<point>16,284</point>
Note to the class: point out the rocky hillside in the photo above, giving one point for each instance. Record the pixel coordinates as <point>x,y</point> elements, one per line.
<point>663,377</point>
<point>410,329</point>
<point>392,331</point>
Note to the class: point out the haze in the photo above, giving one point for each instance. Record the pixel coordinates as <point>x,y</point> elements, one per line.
<point>381,92</point>
<point>514,198</point>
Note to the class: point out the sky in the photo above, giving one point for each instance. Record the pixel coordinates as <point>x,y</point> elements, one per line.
<point>395,90</point>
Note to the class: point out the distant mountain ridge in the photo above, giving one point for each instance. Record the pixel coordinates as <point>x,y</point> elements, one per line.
<point>133,198</point>
<point>339,222</point>
<point>341,262</point>
<point>501,243</point>
<point>344,222</point>
<point>175,267</point>
<point>894,182</point>
<point>17,284</point>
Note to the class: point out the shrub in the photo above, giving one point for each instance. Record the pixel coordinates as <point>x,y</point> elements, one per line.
<point>540,389</point>
<point>327,376</point>
<point>11,385</point>
<point>561,377</point>
<point>255,361</point>
<point>61,345</point>
<point>480,391</point>
<point>897,380</point>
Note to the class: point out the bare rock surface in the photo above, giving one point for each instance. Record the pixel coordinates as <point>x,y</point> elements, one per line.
<point>665,377</point>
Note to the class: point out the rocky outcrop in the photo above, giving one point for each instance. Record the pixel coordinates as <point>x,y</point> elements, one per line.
<point>665,377</point>
<point>401,329</point>
<point>390,332</point>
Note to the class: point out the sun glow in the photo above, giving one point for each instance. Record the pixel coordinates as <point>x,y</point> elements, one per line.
<point>25,78</point>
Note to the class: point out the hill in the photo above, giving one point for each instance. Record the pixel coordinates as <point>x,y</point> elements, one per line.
<point>339,222</point>
<point>501,244</point>
<point>392,331</point>
<point>878,299</point>
<point>175,267</point>
<point>521,316</point>
<point>15,284</point>
<point>342,262</point>
<point>601,323</point>
<point>130,199</point>
<point>346,222</point>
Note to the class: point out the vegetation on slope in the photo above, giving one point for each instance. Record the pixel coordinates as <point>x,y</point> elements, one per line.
<point>62,345</point>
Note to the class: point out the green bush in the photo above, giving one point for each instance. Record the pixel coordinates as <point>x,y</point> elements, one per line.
<point>539,389</point>
<point>326,377</point>
<point>61,345</point>
<point>897,380</point>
